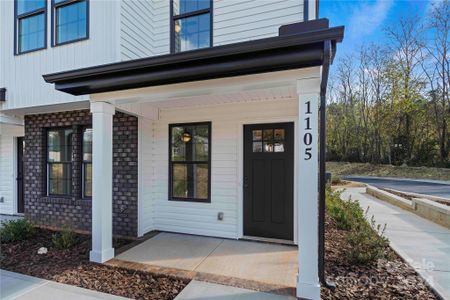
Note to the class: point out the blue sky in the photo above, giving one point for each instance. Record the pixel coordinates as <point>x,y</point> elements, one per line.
<point>364,21</point>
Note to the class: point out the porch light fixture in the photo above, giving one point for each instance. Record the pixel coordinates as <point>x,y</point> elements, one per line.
<point>186,137</point>
<point>177,28</point>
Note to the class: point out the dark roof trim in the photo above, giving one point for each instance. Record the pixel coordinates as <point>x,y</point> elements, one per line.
<point>287,51</point>
<point>2,94</point>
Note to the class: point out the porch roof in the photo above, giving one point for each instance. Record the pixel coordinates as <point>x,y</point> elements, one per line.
<point>298,45</point>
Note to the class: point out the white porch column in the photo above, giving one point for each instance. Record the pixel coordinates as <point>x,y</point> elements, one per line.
<point>102,122</point>
<point>308,285</point>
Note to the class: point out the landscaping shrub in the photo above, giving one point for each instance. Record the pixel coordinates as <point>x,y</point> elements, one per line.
<point>366,242</point>
<point>16,230</point>
<point>336,180</point>
<point>65,239</point>
<point>345,214</point>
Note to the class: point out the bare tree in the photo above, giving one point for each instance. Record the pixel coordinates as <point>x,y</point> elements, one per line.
<point>437,69</point>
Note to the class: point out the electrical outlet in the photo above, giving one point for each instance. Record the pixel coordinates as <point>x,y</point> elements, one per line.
<point>2,199</point>
<point>220,216</point>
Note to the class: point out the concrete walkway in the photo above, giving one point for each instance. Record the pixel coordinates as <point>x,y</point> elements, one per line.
<point>422,243</point>
<point>199,290</point>
<point>23,287</point>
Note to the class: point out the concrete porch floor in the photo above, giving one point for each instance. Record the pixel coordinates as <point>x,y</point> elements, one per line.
<point>271,264</point>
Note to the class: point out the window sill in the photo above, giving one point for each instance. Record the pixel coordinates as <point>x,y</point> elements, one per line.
<point>65,200</point>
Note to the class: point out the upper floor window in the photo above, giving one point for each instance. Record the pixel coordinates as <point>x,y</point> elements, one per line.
<point>70,19</point>
<point>191,24</point>
<point>30,25</point>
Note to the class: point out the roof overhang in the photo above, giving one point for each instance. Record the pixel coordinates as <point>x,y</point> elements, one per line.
<point>298,46</point>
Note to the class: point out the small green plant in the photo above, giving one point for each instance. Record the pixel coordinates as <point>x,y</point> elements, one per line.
<point>345,214</point>
<point>65,239</point>
<point>16,230</point>
<point>336,180</point>
<point>366,242</point>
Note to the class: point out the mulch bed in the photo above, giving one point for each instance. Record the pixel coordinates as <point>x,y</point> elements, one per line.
<point>73,267</point>
<point>391,278</point>
<point>388,279</point>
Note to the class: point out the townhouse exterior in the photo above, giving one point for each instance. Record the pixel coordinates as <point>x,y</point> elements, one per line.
<point>125,117</point>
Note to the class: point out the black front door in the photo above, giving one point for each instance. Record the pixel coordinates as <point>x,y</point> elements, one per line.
<point>20,201</point>
<point>269,180</point>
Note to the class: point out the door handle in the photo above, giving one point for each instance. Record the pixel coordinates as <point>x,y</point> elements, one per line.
<point>245,182</point>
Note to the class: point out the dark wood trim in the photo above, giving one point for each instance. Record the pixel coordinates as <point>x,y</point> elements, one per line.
<point>174,18</point>
<point>171,163</point>
<point>54,22</point>
<point>18,17</point>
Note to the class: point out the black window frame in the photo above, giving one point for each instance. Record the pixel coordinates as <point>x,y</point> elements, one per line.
<point>83,165</point>
<point>54,22</point>
<point>18,17</point>
<point>171,163</point>
<point>70,194</point>
<point>174,18</point>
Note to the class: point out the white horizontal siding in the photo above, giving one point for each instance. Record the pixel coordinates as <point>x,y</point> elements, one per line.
<point>8,134</point>
<point>145,206</point>
<point>233,21</point>
<point>22,74</point>
<point>136,31</point>
<point>238,21</point>
<point>227,120</point>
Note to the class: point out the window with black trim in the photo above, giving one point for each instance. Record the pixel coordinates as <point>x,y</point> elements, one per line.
<point>70,21</point>
<point>30,25</point>
<point>191,26</point>
<point>190,162</point>
<point>87,163</point>
<point>59,161</point>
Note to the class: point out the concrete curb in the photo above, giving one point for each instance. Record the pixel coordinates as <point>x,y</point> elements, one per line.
<point>349,177</point>
<point>435,212</point>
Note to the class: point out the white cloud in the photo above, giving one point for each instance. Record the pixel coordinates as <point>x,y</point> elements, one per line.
<point>367,17</point>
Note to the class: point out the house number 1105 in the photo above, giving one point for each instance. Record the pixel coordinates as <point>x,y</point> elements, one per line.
<point>307,137</point>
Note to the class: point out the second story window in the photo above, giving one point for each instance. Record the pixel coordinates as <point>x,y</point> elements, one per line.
<point>70,19</point>
<point>191,25</point>
<point>30,24</point>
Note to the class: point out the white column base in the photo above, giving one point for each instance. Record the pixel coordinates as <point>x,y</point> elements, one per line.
<point>308,291</point>
<point>101,256</point>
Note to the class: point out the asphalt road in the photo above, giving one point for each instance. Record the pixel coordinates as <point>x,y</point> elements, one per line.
<point>406,185</point>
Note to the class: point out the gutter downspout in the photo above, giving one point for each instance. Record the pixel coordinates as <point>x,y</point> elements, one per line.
<point>322,141</point>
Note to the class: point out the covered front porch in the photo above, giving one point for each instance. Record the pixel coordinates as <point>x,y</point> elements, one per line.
<point>236,127</point>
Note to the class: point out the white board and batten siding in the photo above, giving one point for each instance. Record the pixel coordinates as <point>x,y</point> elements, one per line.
<point>159,213</point>
<point>8,148</point>
<point>22,74</point>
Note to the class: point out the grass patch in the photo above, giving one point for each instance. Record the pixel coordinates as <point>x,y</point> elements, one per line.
<point>366,169</point>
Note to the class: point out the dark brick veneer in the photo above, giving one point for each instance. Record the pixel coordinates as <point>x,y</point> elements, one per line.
<point>75,211</point>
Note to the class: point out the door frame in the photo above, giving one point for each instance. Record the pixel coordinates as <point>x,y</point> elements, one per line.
<point>240,204</point>
<point>14,177</point>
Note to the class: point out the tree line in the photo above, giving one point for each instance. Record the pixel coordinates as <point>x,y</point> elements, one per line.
<point>389,103</point>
